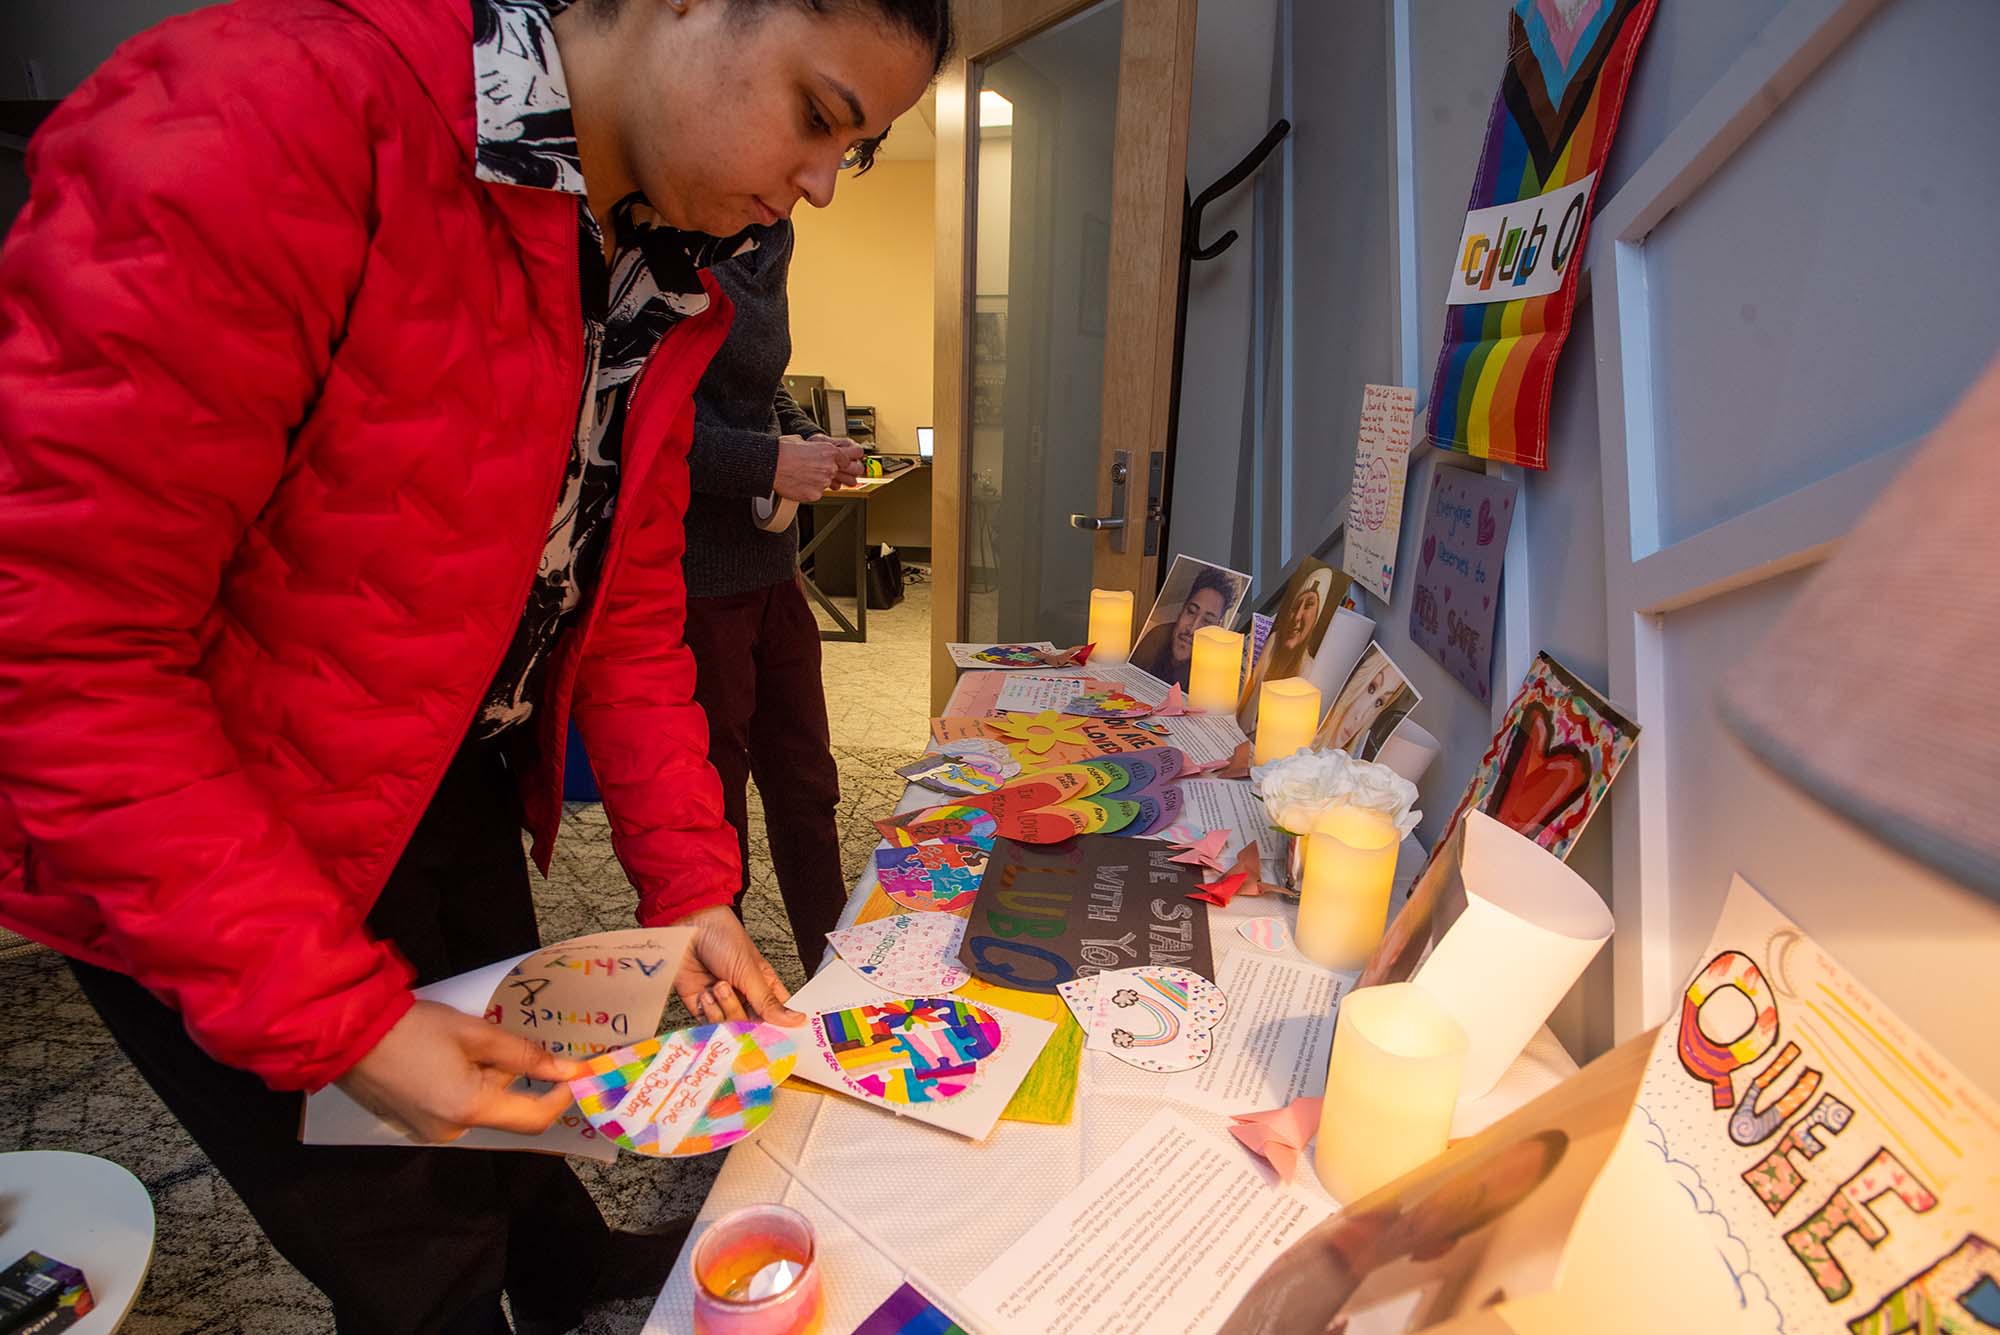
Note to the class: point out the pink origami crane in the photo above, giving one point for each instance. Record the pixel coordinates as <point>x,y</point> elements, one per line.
<point>1237,766</point>
<point>1203,852</point>
<point>1174,706</point>
<point>1279,1135</point>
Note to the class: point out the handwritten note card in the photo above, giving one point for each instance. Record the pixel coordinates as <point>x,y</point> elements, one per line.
<point>1375,502</point>
<point>1458,573</point>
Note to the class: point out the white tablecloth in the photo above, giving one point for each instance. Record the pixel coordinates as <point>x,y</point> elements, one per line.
<point>894,1200</point>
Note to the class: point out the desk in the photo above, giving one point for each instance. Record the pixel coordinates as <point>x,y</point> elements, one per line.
<point>943,1207</point>
<point>847,509</point>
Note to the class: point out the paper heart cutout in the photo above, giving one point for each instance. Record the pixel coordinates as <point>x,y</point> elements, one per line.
<point>1011,655</point>
<point>909,1050</point>
<point>958,822</point>
<point>1137,769</point>
<point>1430,549</point>
<point>1538,780</point>
<point>1043,789</point>
<point>1157,1017</point>
<point>1159,807</point>
<point>1447,593</point>
<point>1486,529</point>
<point>965,775</point>
<point>1080,995</point>
<point>688,1092</point>
<point>931,878</point>
<point>1266,934</point>
<point>1055,823</point>
<point>986,753</point>
<point>914,954</point>
<point>1107,704</point>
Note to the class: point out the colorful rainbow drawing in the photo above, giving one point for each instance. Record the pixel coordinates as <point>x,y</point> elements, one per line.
<point>916,1050</point>
<point>1552,124</point>
<point>738,1106</point>
<point>1166,1014</point>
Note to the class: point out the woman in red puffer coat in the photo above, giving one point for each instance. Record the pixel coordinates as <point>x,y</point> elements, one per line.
<point>346,352</point>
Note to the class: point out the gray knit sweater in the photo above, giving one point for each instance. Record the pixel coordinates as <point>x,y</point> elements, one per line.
<point>740,410</point>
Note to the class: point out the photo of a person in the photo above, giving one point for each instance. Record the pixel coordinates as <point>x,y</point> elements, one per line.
<point>1306,1289</point>
<point>1375,699</point>
<point>1195,595</point>
<point>1311,595</point>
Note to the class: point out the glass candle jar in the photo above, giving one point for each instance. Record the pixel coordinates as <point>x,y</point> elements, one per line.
<point>755,1274</point>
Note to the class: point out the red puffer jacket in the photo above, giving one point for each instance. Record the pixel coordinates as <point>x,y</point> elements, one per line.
<point>286,394</point>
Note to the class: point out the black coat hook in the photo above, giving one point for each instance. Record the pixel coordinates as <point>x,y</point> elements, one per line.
<point>1235,176</point>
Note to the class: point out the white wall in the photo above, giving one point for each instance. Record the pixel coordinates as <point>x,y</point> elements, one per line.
<point>1821,299</point>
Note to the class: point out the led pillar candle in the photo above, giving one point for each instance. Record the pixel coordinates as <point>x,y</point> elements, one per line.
<point>1287,718</point>
<point>1390,1088</point>
<point>1350,865</point>
<point>1111,625</point>
<point>1217,670</point>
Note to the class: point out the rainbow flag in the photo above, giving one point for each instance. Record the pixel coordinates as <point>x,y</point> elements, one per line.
<point>1568,65</point>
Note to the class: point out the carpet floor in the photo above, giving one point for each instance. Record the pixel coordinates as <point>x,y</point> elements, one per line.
<point>65,1085</point>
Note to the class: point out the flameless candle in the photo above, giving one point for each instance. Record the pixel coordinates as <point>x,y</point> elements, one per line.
<point>1287,717</point>
<point>1111,625</point>
<point>755,1274</point>
<point>1390,1088</point>
<point>1350,866</point>
<point>1217,670</point>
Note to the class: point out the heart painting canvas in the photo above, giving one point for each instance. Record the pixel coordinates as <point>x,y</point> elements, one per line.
<point>1552,761</point>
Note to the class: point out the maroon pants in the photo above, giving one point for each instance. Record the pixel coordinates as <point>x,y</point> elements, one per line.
<point>758,679</point>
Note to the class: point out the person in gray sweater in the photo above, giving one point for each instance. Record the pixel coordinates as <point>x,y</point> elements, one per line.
<point>755,642</point>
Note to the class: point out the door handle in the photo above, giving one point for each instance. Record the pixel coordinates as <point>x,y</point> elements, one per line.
<point>1113,523</point>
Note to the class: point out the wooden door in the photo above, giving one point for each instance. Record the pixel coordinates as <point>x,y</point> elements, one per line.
<point>1081,327</point>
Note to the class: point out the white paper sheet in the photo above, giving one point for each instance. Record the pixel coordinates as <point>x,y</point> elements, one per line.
<point>1204,738</point>
<point>1530,928</point>
<point>1033,692</point>
<point>1375,500</point>
<point>1164,1238</point>
<point>1272,1046</point>
<point>970,1112</point>
<point>1230,804</point>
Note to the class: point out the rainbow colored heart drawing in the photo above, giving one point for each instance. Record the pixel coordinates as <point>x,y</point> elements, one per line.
<point>914,954</point>
<point>914,1050</point>
<point>688,1092</point>
<point>1156,1017</point>
<point>932,878</point>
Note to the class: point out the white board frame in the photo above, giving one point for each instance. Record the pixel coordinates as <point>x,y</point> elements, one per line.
<point>1646,579</point>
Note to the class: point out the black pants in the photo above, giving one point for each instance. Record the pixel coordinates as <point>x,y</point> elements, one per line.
<point>401,1240</point>
<point>757,677</point>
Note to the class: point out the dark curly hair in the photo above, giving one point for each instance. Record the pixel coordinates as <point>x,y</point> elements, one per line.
<point>928,21</point>
<point>1211,578</point>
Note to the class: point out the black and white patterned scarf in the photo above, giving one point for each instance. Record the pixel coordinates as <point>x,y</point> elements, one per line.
<point>526,137</point>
